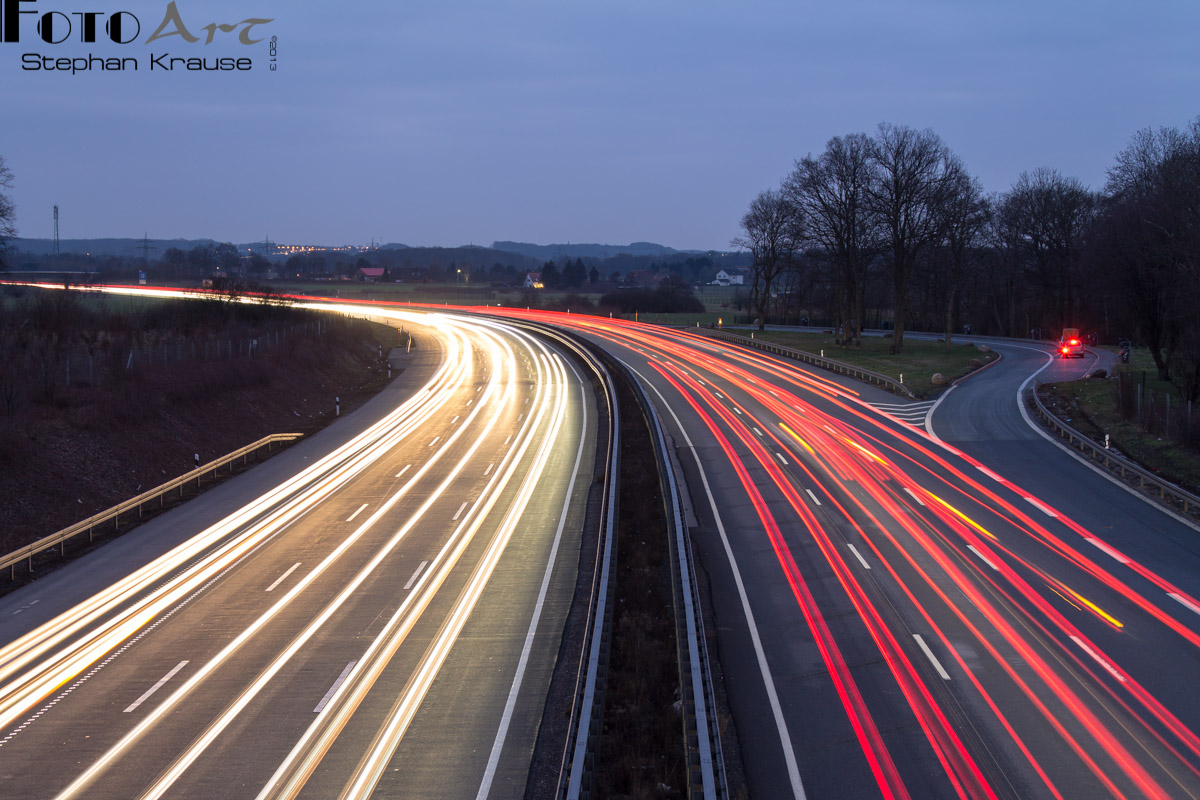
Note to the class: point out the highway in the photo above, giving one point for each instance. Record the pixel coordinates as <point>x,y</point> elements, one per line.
<point>899,616</point>
<point>376,610</point>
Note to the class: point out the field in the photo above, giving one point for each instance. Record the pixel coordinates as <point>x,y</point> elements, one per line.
<point>917,362</point>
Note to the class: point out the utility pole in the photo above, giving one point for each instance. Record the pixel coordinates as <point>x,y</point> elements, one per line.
<point>57,251</point>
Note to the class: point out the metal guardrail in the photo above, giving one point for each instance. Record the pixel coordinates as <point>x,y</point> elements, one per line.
<point>113,515</point>
<point>706,765</point>
<point>583,729</point>
<point>706,774</point>
<point>1148,482</point>
<point>830,364</point>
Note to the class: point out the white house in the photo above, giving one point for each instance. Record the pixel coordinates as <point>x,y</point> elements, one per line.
<point>533,280</point>
<point>733,277</point>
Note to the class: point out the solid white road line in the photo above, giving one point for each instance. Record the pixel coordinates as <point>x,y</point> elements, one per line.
<point>401,472</point>
<point>813,496</point>
<point>982,557</point>
<point>858,555</point>
<point>413,579</point>
<point>156,686</point>
<point>283,577</point>
<point>458,513</point>
<point>356,513</point>
<point>932,658</point>
<point>489,772</point>
<point>1096,657</point>
<point>340,679</point>
<point>785,738</point>
<point>1183,601</point>
<point>1108,551</point>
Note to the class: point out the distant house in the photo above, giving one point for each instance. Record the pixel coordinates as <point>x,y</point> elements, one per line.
<point>371,274</point>
<point>533,280</point>
<point>731,277</point>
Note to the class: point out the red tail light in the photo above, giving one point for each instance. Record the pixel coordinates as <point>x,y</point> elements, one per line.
<point>1066,349</point>
<point>1074,342</point>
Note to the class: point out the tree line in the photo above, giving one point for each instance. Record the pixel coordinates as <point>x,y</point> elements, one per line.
<point>892,229</point>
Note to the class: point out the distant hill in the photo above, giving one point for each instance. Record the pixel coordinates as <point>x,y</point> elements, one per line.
<point>104,247</point>
<point>546,252</point>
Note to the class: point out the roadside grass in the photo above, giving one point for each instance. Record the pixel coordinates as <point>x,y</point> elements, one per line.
<point>918,361</point>
<point>1090,406</point>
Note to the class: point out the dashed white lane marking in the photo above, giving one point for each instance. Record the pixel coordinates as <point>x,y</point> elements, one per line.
<point>521,416</point>
<point>982,557</point>
<point>989,473</point>
<point>737,410</point>
<point>155,687</point>
<point>1033,502</point>
<point>435,441</point>
<point>1183,601</point>
<point>356,513</point>
<point>858,555</point>
<point>340,680</point>
<point>781,458</point>
<point>914,495</point>
<point>454,420</point>
<point>25,607</point>
<point>413,579</point>
<point>488,471</point>
<point>1108,551</point>
<point>932,658</point>
<point>813,496</point>
<point>283,577</point>
<point>401,472</point>
<point>756,430</point>
<point>1098,659</point>
<point>458,513</point>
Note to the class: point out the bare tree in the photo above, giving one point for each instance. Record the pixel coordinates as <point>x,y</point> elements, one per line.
<point>1146,242</point>
<point>911,168</point>
<point>832,193</point>
<point>1048,215</point>
<point>962,214</point>
<point>8,211</point>
<point>772,232</point>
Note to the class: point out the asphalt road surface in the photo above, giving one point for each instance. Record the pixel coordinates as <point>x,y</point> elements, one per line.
<point>899,616</point>
<point>376,610</point>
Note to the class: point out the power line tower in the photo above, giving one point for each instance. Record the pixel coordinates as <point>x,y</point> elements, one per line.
<point>57,251</point>
<point>146,248</point>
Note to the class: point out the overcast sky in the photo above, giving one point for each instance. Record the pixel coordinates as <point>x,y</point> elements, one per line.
<point>447,122</point>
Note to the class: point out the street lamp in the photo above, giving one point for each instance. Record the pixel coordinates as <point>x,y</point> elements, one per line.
<point>458,276</point>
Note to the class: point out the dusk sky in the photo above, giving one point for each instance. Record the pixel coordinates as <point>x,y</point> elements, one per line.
<point>452,122</point>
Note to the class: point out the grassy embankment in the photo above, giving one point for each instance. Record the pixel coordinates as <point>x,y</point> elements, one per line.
<point>918,361</point>
<point>103,397</point>
<point>1090,406</point>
